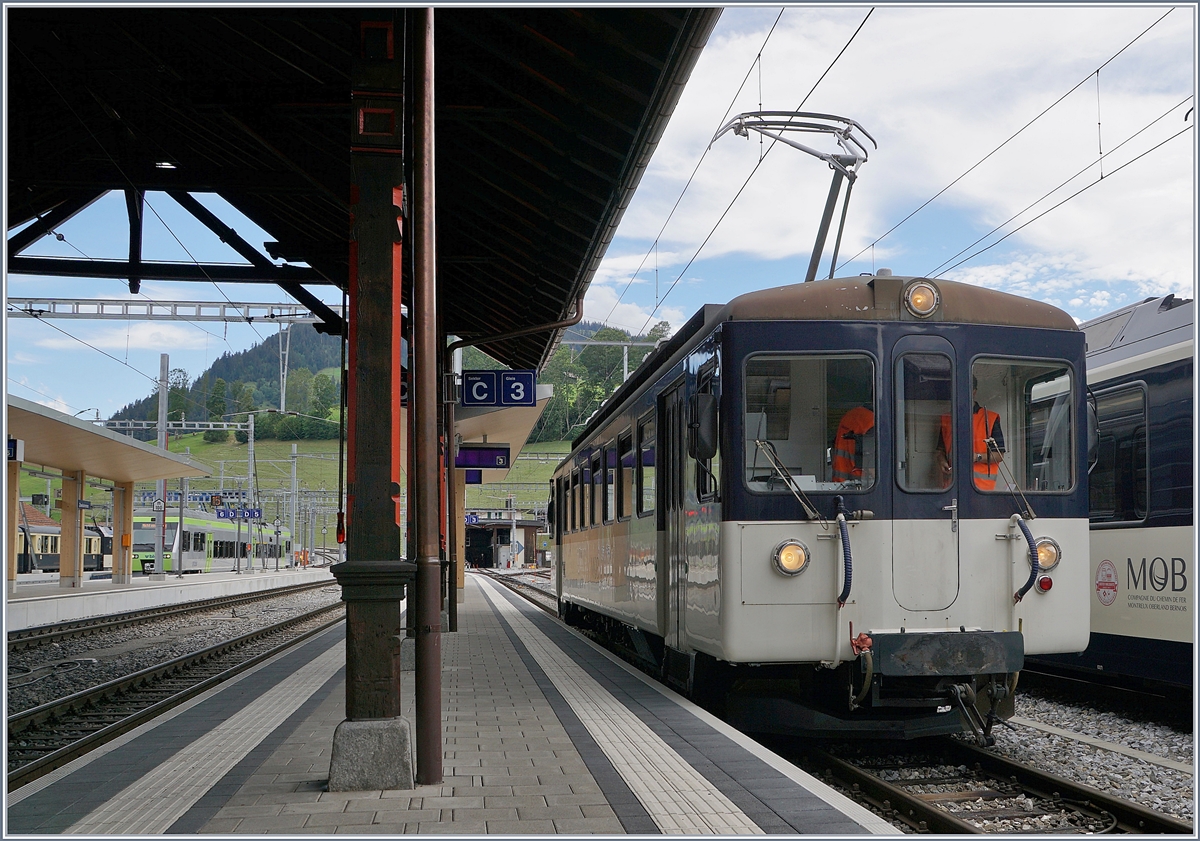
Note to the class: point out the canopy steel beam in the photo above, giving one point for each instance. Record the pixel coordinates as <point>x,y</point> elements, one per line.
<point>125,310</point>
<point>21,240</point>
<point>187,272</point>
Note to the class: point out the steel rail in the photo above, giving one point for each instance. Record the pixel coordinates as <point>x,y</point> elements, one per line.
<point>20,722</point>
<point>922,813</point>
<point>1131,817</point>
<point>38,635</point>
<point>894,801</point>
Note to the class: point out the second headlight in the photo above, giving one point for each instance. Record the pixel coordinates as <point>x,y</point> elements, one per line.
<point>1048,552</point>
<point>791,557</point>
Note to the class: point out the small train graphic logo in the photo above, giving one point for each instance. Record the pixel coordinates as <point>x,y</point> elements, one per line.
<point>1106,582</point>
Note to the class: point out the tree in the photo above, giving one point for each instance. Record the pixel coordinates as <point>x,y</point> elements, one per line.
<point>177,395</point>
<point>245,404</point>
<point>299,390</point>
<point>216,411</point>
<point>324,396</point>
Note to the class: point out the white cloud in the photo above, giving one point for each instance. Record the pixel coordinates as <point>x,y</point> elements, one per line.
<point>167,337</point>
<point>939,88</point>
<point>41,393</point>
<point>601,305</point>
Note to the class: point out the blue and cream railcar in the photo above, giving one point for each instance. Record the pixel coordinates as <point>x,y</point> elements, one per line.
<point>729,518</point>
<point>1143,566</point>
<point>210,543</point>
<point>39,544</point>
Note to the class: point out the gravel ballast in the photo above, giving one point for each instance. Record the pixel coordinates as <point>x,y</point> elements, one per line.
<point>77,664</point>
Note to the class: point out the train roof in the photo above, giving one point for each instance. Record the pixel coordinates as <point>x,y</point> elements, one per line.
<point>1150,332</point>
<point>863,298</point>
<point>878,298</point>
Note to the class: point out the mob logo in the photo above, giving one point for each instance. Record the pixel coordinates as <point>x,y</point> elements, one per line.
<point>1156,574</point>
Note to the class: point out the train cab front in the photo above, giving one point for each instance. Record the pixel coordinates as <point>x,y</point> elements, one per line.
<point>905,510</point>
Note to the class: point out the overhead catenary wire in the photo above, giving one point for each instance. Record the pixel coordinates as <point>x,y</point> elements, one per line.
<point>42,393</point>
<point>763,157</point>
<point>938,270</point>
<point>1008,140</point>
<point>1067,199</point>
<point>757,62</point>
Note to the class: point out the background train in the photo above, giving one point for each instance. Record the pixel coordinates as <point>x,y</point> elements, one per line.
<point>38,547</point>
<point>1143,569</point>
<point>210,543</point>
<point>763,516</point>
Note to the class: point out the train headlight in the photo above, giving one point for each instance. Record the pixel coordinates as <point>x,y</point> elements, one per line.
<point>791,557</point>
<point>921,299</point>
<point>1048,553</point>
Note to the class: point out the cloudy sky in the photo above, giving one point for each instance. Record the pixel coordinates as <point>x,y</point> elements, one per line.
<point>938,88</point>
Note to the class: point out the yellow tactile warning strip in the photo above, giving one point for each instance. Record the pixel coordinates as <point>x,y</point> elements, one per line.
<point>167,792</point>
<point>678,798</point>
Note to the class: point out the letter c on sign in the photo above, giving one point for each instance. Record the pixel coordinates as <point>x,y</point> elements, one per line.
<point>476,393</point>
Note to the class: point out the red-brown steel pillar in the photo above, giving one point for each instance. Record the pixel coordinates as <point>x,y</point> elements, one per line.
<point>425,396</point>
<point>372,748</point>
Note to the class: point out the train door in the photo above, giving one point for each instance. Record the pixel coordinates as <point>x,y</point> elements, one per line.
<point>672,514</point>
<point>925,544</point>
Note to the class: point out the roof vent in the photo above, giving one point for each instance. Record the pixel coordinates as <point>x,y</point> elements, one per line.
<point>883,273</point>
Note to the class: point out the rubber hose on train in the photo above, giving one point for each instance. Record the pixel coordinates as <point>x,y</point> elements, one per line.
<point>847,560</point>
<point>1034,569</point>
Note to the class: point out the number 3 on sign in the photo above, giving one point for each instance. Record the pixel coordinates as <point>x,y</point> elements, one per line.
<point>517,388</point>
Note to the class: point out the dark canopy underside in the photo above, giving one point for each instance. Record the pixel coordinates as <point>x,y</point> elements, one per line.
<point>545,119</point>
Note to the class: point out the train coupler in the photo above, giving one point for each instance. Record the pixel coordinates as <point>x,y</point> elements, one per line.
<point>964,695</point>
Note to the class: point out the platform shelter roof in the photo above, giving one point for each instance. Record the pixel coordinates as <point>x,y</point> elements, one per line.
<point>54,439</point>
<point>546,118</point>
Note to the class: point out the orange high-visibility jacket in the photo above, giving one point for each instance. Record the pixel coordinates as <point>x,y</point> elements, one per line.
<point>854,424</point>
<point>981,423</point>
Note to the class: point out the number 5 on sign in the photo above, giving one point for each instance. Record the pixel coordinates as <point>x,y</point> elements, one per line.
<point>518,388</point>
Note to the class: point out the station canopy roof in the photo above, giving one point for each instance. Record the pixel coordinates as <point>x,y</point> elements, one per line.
<point>545,120</point>
<point>55,439</point>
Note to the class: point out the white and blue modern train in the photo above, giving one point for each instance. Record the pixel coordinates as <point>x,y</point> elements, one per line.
<point>1140,371</point>
<point>838,508</point>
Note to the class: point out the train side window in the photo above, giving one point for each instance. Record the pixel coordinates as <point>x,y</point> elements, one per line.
<point>610,482</point>
<point>596,482</point>
<point>575,507</point>
<point>625,475</point>
<point>646,478</point>
<point>1117,486</point>
<point>1022,417</point>
<point>708,471</point>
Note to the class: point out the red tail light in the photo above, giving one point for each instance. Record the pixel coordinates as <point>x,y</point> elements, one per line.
<point>1044,584</point>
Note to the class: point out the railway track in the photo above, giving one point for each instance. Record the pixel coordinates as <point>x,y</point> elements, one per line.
<point>531,592</point>
<point>947,786</point>
<point>46,737</point>
<point>43,634</point>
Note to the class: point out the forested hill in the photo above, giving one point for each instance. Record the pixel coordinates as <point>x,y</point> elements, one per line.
<point>582,376</point>
<point>191,393</point>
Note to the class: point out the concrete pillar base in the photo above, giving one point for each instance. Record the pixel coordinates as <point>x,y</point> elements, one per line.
<point>462,594</point>
<point>158,576</point>
<point>372,755</point>
<point>408,654</point>
<point>122,579</point>
<point>69,582</point>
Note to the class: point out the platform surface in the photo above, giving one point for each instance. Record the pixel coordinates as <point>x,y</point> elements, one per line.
<point>38,599</point>
<point>543,732</point>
